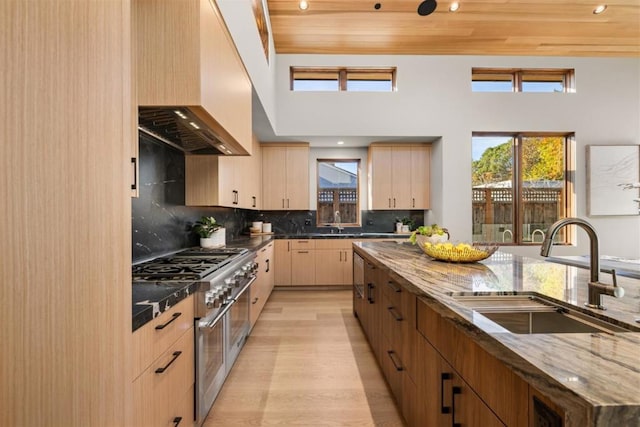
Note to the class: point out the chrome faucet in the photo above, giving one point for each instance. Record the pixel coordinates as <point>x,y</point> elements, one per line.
<point>338,220</point>
<point>596,289</point>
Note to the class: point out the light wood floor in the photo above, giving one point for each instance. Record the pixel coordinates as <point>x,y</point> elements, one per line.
<point>306,363</point>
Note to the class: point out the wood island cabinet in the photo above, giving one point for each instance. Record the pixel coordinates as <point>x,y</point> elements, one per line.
<point>164,371</point>
<point>437,375</point>
<point>399,176</point>
<point>285,176</point>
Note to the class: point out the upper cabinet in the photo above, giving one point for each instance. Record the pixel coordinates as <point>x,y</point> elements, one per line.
<point>231,181</point>
<point>186,57</point>
<point>399,176</point>
<point>285,176</point>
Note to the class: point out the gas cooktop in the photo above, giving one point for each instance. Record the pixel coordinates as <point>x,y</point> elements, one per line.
<point>188,265</point>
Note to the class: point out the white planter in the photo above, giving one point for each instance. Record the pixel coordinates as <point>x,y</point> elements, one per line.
<point>217,240</point>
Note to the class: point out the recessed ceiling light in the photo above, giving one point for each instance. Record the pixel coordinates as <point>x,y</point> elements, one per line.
<point>454,6</point>
<point>303,5</point>
<point>599,9</point>
<point>340,142</point>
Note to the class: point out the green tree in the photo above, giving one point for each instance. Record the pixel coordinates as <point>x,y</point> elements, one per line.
<point>543,158</point>
<point>495,164</point>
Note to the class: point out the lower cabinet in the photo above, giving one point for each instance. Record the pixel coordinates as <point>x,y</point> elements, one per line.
<point>445,399</point>
<point>164,374</point>
<point>438,375</point>
<point>263,285</point>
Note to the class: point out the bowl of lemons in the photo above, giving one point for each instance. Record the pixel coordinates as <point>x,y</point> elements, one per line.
<point>461,252</point>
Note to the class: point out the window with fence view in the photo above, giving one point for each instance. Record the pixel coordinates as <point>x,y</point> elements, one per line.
<point>520,185</point>
<point>338,193</point>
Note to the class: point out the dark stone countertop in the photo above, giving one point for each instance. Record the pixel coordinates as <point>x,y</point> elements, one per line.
<point>594,376</point>
<point>151,299</point>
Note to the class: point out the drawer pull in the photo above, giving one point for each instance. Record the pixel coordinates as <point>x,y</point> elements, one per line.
<point>303,252</point>
<point>176,354</point>
<point>395,314</point>
<point>398,366</point>
<point>176,421</point>
<point>454,390</point>
<point>255,300</point>
<point>268,266</point>
<point>370,288</point>
<point>393,286</point>
<point>444,377</point>
<point>174,317</point>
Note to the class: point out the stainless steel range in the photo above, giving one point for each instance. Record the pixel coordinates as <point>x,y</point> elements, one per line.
<point>221,309</point>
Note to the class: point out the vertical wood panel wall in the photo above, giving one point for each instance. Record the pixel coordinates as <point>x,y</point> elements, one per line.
<point>65,228</point>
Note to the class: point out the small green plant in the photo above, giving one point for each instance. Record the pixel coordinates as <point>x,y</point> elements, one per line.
<point>206,226</point>
<point>428,230</point>
<point>407,221</point>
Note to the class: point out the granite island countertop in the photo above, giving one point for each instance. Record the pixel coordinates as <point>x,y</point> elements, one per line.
<point>594,376</point>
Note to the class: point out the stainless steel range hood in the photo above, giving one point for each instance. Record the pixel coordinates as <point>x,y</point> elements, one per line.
<point>187,129</point>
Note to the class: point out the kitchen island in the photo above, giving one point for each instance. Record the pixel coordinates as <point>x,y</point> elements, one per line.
<point>591,379</point>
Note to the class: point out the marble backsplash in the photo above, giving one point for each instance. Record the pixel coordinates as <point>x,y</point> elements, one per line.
<point>161,223</point>
<point>302,222</point>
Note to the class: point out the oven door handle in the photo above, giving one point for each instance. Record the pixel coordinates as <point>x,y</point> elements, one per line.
<point>210,322</point>
<point>245,287</point>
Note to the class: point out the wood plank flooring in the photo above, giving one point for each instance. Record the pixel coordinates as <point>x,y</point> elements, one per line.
<point>306,363</point>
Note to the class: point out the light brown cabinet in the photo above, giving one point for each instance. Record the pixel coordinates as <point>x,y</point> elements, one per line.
<point>303,265</point>
<point>282,256</point>
<point>230,181</point>
<point>399,176</point>
<point>474,372</point>
<point>334,262</point>
<point>285,176</point>
<point>164,368</point>
<point>263,285</point>
<point>186,57</point>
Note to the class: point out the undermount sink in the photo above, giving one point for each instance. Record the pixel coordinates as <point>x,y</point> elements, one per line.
<point>533,314</point>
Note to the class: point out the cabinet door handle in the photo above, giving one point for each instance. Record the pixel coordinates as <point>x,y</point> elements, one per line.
<point>454,390</point>
<point>268,266</point>
<point>445,376</point>
<point>134,163</point>
<point>389,202</point>
<point>288,246</point>
<point>340,256</point>
<point>176,421</point>
<point>176,354</point>
<point>398,366</point>
<point>255,201</point>
<point>393,286</point>
<point>173,317</point>
<point>413,202</point>
<point>395,314</point>
<point>394,202</point>
<point>370,288</point>
<point>255,300</point>
<point>282,203</point>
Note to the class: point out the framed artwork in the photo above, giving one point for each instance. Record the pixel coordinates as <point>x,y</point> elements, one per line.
<point>613,178</point>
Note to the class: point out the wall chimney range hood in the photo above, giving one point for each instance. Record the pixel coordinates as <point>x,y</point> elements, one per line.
<point>184,129</point>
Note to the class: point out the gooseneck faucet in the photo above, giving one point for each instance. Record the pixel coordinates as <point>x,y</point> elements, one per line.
<point>338,221</point>
<point>596,289</point>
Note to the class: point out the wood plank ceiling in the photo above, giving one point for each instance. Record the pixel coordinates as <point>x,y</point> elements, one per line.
<point>479,27</point>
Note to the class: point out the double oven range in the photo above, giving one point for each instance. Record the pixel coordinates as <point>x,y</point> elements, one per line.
<point>222,304</point>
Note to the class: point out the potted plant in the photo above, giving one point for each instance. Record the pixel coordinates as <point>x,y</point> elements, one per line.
<point>429,233</point>
<point>210,231</point>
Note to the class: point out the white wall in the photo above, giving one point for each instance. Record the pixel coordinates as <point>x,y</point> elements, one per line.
<point>434,99</point>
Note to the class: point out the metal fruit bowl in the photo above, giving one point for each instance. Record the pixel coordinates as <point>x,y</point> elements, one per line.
<point>462,252</point>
